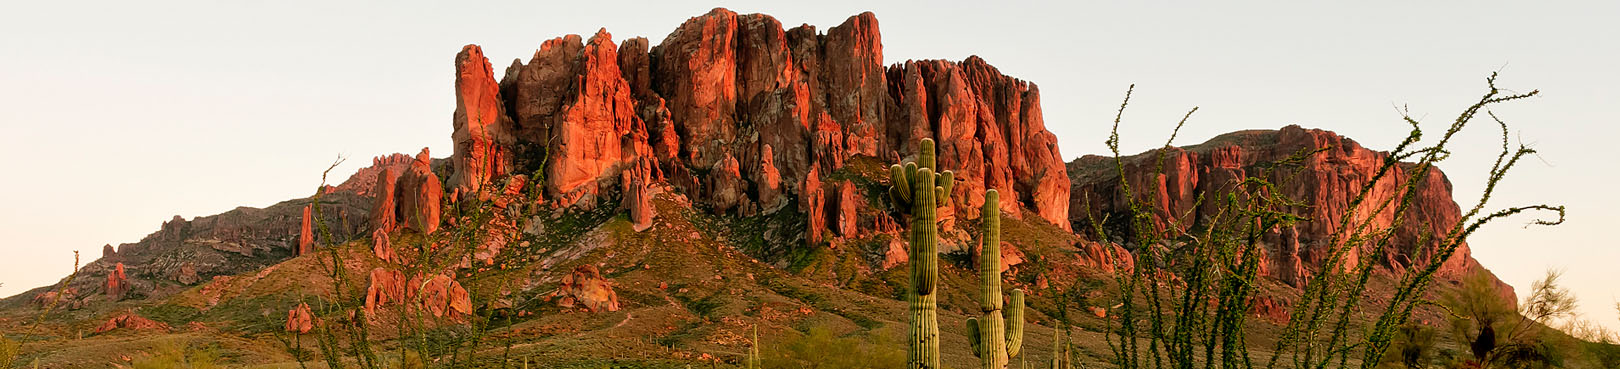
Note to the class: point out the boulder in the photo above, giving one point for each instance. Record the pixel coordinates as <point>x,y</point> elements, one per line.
<point>300,320</point>
<point>585,288</point>
<point>386,287</point>
<point>443,296</point>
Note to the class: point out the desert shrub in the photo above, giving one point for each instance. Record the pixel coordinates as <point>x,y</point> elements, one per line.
<point>9,350</point>
<point>1499,336</point>
<point>1413,348</point>
<point>821,348</point>
<point>177,355</point>
<point>1185,303</point>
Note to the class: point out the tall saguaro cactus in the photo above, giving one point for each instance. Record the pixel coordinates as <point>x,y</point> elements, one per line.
<point>994,340</point>
<point>917,186</point>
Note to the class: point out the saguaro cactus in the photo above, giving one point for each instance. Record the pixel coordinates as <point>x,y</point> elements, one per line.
<point>917,186</point>
<point>993,340</point>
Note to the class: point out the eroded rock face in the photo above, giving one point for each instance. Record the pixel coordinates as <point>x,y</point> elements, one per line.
<point>846,218</point>
<point>300,320</point>
<point>638,181</point>
<point>130,321</point>
<point>585,288</point>
<point>481,137</point>
<point>386,287</point>
<point>814,203</point>
<point>736,112</point>
<point>306,234</point>
<point>1270,310</point>
<point>419,194</point>
<point>1325,183</point>
<point>117,283</point>
<point>443,296</point>
<point>48,298</point>
<point>383,246</point>
<point>366,181</point>
<point>384,216</point>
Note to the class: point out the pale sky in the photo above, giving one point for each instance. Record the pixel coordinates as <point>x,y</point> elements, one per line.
<point>119,115</point>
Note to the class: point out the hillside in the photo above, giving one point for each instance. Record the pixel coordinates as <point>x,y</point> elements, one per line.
<point>649,205</point>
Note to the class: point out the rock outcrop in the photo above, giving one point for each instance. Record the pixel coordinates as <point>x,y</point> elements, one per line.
<point>386,287</point>
<point>306,234</point>
<point>117,283</point>
<point>585,288</point>
<point>638,192</point>
<point>1325,183</point>
<point>443,296</point>
<point>419,193</point>
<point>367,181</point>
<point>300,320</point>
<point>737,112</point>
<point>384,216</point>
<point>481,137</point>
<point>130,321</point>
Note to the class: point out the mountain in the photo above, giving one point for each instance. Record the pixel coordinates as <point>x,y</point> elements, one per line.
<point>623,202</point>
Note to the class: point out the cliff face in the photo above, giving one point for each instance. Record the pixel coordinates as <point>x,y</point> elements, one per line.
<point>739,113</point>
<point>1324,183</point>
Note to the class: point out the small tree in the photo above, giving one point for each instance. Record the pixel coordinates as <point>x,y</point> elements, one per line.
<point>1499,336</point>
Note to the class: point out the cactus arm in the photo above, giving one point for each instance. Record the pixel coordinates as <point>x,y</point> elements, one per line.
<point>925,157</point>
<point>973,337</point>
<point>946,180</point>
<point>1015,323</point>
<point>897,174</point>
<point>1056,337</point>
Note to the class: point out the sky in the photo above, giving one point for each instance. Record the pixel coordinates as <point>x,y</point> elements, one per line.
<point>119,115</point>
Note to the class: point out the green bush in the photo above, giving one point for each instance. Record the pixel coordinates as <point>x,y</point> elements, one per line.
<point>821,348</point>
<point>177,355</point>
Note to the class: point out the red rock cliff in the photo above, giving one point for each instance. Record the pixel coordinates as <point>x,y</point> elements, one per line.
<point>736,111</point>
<point>1325,183</point>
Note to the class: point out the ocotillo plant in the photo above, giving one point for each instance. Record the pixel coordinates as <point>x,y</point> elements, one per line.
<point>993,340</point>
<point>916,185</point>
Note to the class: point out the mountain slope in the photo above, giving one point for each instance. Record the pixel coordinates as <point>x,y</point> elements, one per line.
<point>648,204</point>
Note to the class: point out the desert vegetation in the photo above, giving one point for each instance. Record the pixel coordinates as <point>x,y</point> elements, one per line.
<point>782,199</point>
